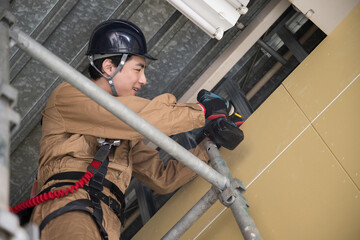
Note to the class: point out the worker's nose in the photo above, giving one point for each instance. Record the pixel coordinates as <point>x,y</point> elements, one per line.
<point>142,79</point>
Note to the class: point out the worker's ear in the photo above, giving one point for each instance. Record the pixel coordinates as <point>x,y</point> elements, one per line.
<point>108,67</point>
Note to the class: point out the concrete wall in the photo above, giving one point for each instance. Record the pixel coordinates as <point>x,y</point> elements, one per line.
<point>300,157</point>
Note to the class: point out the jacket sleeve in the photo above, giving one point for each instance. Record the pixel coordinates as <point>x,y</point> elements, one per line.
<point>74,112</point>
<point>149,169</point>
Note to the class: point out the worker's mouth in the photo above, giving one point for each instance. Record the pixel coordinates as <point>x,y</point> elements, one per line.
<point>136,90</point>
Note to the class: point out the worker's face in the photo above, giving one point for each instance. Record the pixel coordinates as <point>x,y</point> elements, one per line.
<point>131,77</point>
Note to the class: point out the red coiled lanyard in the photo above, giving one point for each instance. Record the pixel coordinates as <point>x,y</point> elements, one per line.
<point>99,158</point>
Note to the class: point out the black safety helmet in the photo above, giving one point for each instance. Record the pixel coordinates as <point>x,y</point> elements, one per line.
<point>116,36</point>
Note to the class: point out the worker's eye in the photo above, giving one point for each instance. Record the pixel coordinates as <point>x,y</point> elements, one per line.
<point>138,69</point>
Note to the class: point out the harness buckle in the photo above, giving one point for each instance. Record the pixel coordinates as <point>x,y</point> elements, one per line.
<point>110,142</point>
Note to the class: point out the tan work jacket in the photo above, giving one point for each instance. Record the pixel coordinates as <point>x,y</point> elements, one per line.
<point>72,121</point>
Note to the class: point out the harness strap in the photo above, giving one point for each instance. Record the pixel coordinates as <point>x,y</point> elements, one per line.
<point>96,173</point>
<point>97,210</point>
<point>77,205</point>
<point>77,175</point>
<point>95,186</point>
<point>99,158</point>
<point>97,180</point>
<point>109,201</point>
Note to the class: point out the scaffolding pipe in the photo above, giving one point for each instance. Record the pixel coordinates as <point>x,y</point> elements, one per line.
<point>9,222</point>
<point>191,216</point>
<point>271,51</point>
<point>107,101</point>
<point>239,207</point>
<point>130,220</point>
<point>4,113</point>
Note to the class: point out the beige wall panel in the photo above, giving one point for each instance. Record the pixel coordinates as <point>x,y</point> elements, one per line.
<point>329,68</point>
<point>173,210</point>
<point>339,126</point>
<point>268,131</point>
<point>304,194</point>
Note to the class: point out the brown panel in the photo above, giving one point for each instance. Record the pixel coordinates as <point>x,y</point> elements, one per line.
<point>331,67</point>
<point>339,126</point>
<point>304,194</point>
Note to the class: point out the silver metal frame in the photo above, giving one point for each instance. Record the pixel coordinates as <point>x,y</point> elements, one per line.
<point>223,184</point>
<point>192,216</point>
<point>4,123</point>
<point>4,106</point>
<point>230,197</point>
<point>9,120</point>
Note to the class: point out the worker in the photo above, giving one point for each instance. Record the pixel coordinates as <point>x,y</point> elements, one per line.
<point>73,124</point>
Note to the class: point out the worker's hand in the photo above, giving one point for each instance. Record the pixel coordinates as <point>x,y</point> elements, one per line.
<point>224,132</point>
<point>214,106</point>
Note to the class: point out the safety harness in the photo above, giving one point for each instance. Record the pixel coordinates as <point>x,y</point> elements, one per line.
<point>95,175</point>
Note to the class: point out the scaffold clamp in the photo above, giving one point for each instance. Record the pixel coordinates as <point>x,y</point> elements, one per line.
<point>9,93</point>
<point>7,16</point>
<point>230,193</point>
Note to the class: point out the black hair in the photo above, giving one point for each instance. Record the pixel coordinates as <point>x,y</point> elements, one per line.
<point>95,75</point>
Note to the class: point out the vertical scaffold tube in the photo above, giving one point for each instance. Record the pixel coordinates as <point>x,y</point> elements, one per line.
<point>238,207</point>
<point>191,216</point>
<point>4,113</point>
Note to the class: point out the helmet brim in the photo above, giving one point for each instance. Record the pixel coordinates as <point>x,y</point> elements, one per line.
<point>149,57</point>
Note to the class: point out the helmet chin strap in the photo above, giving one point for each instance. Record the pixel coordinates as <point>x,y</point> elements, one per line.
<point>110,79</point>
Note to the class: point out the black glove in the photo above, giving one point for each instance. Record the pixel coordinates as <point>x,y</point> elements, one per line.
<point>224,132</point>
<point>214,105</point>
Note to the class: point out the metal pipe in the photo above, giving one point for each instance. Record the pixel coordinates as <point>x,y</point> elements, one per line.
<point>130,220</point>
<point>268,75</point>
<point>9,223</point>
<point>4,113</point>
<point>239,207</point>
<point>97,94</point>
<point>244,220</point>
<point>191,216</point>
<point>271,51</point>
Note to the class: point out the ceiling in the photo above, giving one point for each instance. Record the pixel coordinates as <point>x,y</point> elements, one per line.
<point>185,54</point>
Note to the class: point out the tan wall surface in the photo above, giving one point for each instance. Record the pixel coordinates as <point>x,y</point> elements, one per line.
<point>300,159</point>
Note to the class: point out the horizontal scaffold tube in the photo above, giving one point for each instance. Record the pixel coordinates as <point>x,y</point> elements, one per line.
<point>78,80</point>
